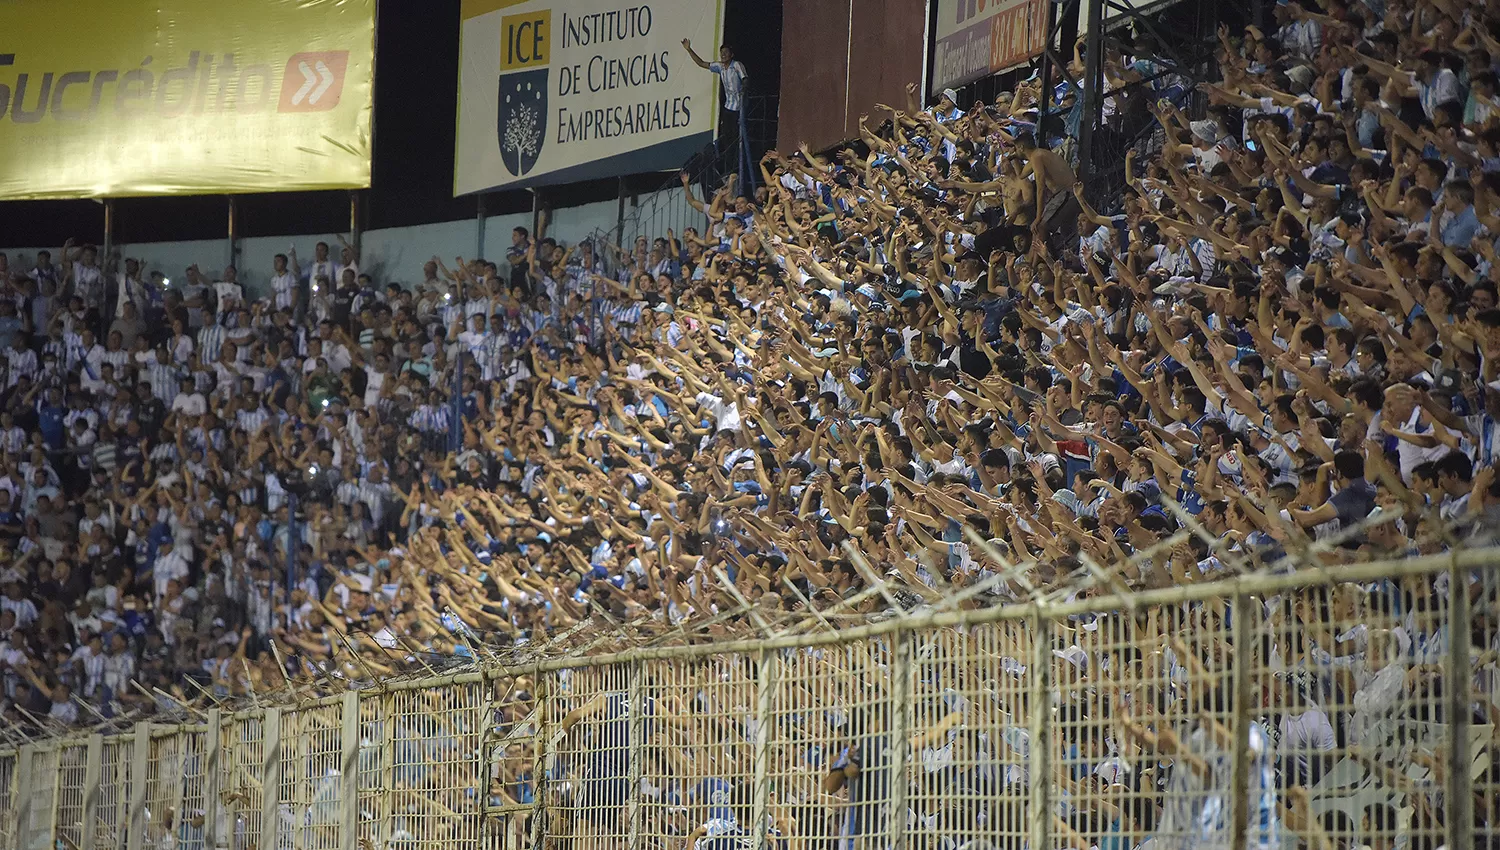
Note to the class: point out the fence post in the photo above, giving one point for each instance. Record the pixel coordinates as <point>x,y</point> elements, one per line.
<point>387,812</point>
<point>213,755</point>
<point>760,802</point>
<point>1039,747</point>
<point>140,761</point>
<point>181,752</point>
<point>349,775</point>
<point>1239,757</point>
<point>1457,680</point>
<point>91,774</point>
<point>539,771</point>
<point>637,726</point>
<point>270,777</point>
<point>900,697</point>
<point>22,796</point>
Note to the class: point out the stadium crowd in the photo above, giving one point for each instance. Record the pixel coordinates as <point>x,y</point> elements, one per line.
<point>891,374</point>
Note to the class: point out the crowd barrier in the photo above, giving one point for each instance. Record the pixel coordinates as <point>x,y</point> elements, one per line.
<point>1310,708</point>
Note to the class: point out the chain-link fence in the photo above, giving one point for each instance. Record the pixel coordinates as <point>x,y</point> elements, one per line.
<point>1339,707</point>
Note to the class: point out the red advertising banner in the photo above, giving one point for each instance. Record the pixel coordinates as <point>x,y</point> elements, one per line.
<point>976,38</point>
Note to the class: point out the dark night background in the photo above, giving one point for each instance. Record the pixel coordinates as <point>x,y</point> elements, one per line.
<point>416,73</point>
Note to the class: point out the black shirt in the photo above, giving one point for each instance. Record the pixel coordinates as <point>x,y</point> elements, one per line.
<point>343,302</point>
<point>150,413</point>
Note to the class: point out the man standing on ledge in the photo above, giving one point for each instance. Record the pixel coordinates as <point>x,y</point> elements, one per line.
<point>732,81</point>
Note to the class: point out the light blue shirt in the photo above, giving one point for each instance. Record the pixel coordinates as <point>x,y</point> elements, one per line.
<point>1460,229</point>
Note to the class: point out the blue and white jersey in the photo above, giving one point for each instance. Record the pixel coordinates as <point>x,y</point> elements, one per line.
<point>1197,812</point>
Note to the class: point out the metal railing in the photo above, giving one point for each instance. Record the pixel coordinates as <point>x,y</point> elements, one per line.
<point>1318,704</point>
<point>666,208</point>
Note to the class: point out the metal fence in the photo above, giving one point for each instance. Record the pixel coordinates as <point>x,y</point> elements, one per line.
<point>1342,707</point>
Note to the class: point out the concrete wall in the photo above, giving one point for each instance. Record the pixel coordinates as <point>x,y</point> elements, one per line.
<point>392,255</point>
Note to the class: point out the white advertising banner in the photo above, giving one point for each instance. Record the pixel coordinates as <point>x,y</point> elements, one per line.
<point>556,91</point>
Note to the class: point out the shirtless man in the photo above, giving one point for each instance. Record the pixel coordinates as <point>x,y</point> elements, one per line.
<point>1054,177</point>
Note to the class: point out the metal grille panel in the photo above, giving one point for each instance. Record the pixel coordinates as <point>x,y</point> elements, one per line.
<point>1298,710</point>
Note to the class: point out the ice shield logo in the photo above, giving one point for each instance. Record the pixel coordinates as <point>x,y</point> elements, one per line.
<point>521,125</point>
<point>523,119</point>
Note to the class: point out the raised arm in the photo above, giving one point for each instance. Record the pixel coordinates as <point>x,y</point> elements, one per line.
<point>687,44</point>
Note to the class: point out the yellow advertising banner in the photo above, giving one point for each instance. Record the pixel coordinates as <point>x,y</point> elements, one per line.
<point>110,98</point>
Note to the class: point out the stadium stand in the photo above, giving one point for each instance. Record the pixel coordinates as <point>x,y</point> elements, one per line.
<point>898,381</point>
<point>1282,332</point>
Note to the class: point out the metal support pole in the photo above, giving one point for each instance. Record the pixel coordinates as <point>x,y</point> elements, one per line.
<point>746,169</point>
<point>480,214</point>
<point>291,553</point>
<point>900,697</point>
<point>109,233</point>
<point>1039,745</point>
<point>1093,88</point>
<point>22,797</point>
<point>270,777</point>
<point>456,414</point>
<point>140,762</point>
<point>234,233</point>
<point>1044,74</point>
<point>213,757</point>
<point>1067,33</point>
<point>354,229</point>
<point>1239,757</point>
<point>619,217</point>
<point>349,775</point>
<point>760,800</point>
<point>91,773</point>
<point>1457,679</point>
<point>634,695</point>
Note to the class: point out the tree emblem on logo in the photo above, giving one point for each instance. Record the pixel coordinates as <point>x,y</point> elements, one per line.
<point>523,119</point>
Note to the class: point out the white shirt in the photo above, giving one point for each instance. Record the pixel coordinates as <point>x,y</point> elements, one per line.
<point>327,269</point>
<point>88,281</point>
<point>230,296</point>
<point>130,289</point>
<point>374,383</point>
<point>727,416</point>
<point>93,669</point>
<point>1305,733</point>
<point>336,355</point>
<point>1411,455</point>
<point>191,404</point>
<point>172,565</point>
<point>285,286</point>
<point>118,671</point>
